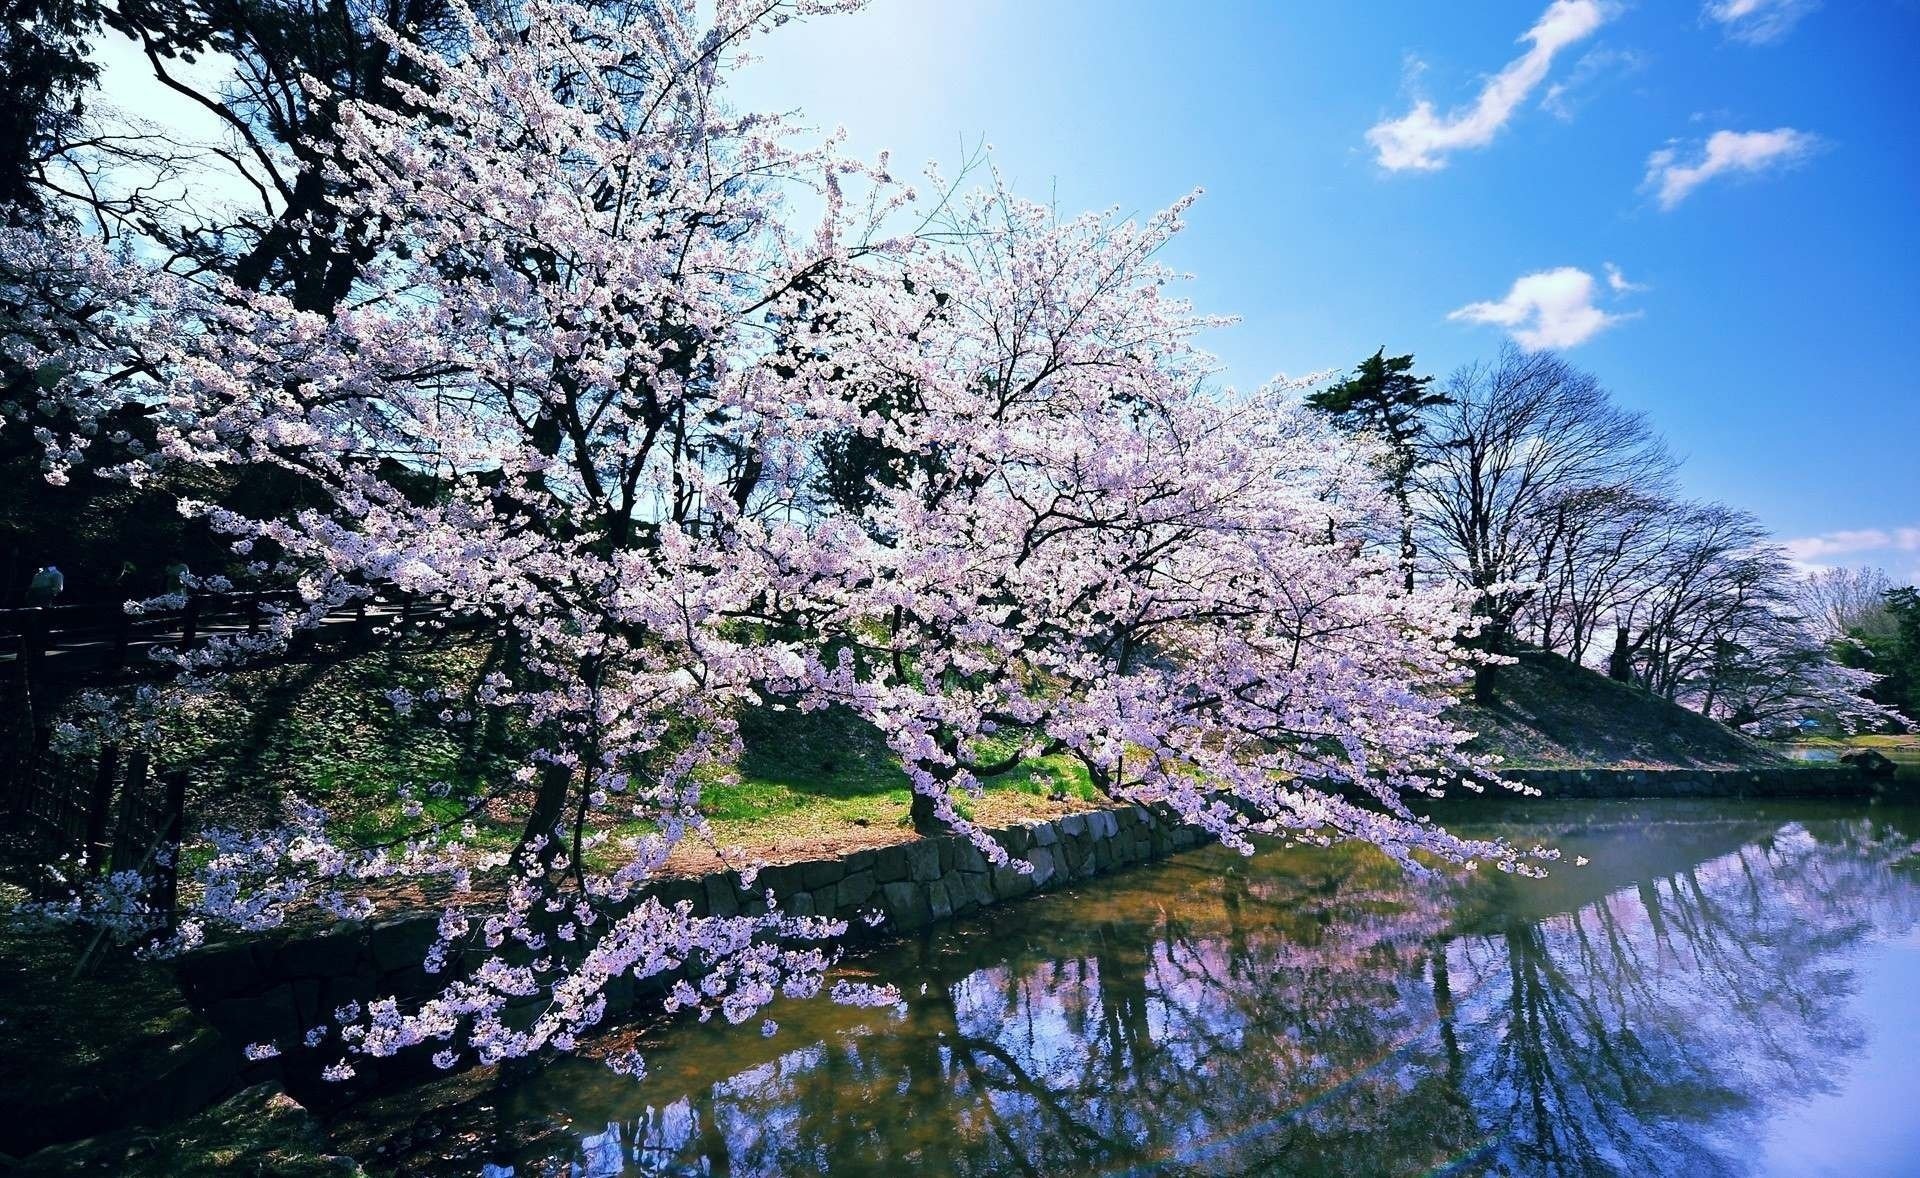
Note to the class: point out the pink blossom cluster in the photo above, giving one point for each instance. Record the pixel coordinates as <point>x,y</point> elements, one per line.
<point>592,322</point>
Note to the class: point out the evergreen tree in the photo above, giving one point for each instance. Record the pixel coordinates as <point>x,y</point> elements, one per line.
<point>1385,398</point>
<point>44,71</point>
<point>1892,652</point>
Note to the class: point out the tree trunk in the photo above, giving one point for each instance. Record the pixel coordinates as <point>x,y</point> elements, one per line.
<point>1407,550</point>
<point>1485,676</point>
<point>549,806</point>
<point>926,819</point>
<point>1620,662</point>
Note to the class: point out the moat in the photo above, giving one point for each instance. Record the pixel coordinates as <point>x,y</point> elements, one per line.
<point>1721,987</point>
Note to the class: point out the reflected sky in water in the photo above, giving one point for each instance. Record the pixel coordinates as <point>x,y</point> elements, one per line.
<point>1727,988</point>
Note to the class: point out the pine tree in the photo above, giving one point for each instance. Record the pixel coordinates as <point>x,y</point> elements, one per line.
<point>1385,398</point>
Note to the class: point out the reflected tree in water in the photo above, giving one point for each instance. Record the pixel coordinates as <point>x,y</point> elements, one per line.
<point>1307,1012</point>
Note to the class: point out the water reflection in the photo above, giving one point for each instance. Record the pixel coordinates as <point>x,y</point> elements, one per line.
<point>1302,1012</point>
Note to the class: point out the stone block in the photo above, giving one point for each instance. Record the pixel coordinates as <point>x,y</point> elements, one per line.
<point>1046,834</point>
<point>401,942</point>
<point>821,872</point>
<point>890,863</point>
<point>906,905</point>
<point>967,857</point>
<point>1073,825</point>
<point>723,894</point>
<point>692,892</point>
<point>856,890</point>
<point>923,860</point>
<point>272,1017</point>
<point>192,1076</point>
<point>1071,855</point>
<point>324,955</point>
<point>979,887</point>
<point>219,972</point>
<point>1008,882</point>
<point>1017,838</point>
<point>306,1003</point>
<point>938,902</point>
<point>826,901</point>
<point>1042,859</point>
<point>781,879</point>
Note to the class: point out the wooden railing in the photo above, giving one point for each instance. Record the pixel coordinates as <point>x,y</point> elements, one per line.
<point>108,811</point>
<point>67,640</point>
<point>89,815</point>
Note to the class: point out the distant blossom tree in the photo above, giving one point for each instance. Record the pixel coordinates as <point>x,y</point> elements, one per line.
<point>579,387</point>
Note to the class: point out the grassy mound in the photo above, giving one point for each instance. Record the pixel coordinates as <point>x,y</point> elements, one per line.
<point>1549,711</point>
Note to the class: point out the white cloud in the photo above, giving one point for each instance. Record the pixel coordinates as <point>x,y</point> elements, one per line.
<point>1852,542</point>
<point>1758,22</point>
<point>1421,139</point>
<point>1727,152</point>
<point>1595,67</point>
<point>1548,309</point>
<point>1617,282</point>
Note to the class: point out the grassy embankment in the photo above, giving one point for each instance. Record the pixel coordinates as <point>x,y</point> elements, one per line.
<point>803,785</point>
<point>1551,713</point>
<point>1902,742</point>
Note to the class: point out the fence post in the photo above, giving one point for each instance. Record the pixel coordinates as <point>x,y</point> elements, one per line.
<point>122,639</point>
<point>33,643</point>
<point>99,808</point>
<point>133,794</point>
<point>189,622</point>
<point>166,881</point>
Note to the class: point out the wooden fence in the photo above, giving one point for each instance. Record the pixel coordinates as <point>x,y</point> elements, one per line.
<point>89,815</point>
<point>91,640</point>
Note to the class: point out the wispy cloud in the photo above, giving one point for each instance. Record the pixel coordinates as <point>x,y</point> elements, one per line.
<point>1758,22</point>
<point>1617,282</point>
<point>1852,542</point>
<point>1595,67</point>
<point>1547,309</point>
<point>1726,153</point>
<point>1421,139</point>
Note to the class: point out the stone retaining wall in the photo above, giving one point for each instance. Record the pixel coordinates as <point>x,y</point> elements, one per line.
<point>1787,781</point>
<point>273,988</point>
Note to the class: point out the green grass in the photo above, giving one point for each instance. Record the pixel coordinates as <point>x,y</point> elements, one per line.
<point>806,779</point>
<point>1548,712</point>
<point>331,736</point>
<point>1907,740</point>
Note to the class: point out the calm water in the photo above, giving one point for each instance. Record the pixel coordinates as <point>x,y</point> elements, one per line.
<point>1725,988</point>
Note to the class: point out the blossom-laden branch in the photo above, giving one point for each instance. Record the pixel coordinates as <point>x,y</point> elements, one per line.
<point>584,390</point>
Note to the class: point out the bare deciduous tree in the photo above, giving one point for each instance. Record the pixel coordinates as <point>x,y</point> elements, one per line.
<point>1839,603</point>
<point>1523,448</point>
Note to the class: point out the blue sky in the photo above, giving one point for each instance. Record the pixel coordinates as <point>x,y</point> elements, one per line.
<point>1749,168</point>
<point>1780,282</point>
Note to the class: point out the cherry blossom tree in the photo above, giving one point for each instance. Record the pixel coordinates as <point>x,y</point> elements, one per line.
<point>606,333</point>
